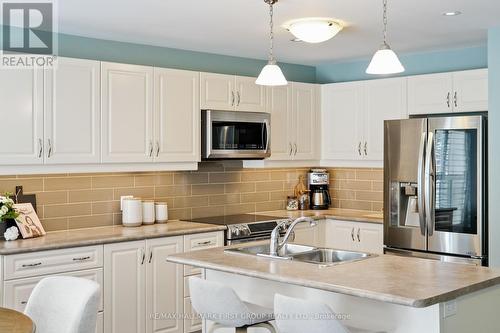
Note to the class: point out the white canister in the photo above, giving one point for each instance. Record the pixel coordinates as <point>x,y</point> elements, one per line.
<point>132,212</point>
<point>161,209</point>
<point>148,212</point>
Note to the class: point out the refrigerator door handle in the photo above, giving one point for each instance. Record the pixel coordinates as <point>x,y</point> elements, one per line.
<point>420,180</point>
<point>429,184</point>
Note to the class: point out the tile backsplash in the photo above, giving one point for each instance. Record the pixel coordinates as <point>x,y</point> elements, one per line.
<point>69,201</point>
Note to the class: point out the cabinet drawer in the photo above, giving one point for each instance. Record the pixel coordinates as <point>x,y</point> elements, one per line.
<point>192,323</point>
<point>17,292</point>
<point>186,285</point>
<point>200,242</point>
<point>51,262</point>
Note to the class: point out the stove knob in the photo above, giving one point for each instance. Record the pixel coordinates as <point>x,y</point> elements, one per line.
<point>237,230</point>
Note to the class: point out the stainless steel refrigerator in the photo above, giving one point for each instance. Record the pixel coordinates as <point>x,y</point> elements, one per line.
<point>435,203</point>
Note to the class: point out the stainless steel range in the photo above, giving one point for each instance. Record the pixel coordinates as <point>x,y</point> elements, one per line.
<point>245,227</point>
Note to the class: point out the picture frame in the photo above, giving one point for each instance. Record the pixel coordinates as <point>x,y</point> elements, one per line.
<point>28,223</point>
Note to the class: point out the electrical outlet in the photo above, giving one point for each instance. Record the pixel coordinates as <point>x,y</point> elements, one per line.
<point>124,197</point>
<point>450,308</point>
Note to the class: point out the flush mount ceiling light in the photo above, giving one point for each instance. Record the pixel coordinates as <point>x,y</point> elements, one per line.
<point>385,60</point>
<point>314,29</point>
<point>454,13</point>
<point>271,74</point>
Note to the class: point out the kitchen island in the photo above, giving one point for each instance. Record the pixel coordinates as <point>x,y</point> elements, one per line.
<point>381,293</point>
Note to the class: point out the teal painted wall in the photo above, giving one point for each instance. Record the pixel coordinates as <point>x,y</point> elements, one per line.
<point>105,50</point>
<point>415,63</point>
<point>494,145</point>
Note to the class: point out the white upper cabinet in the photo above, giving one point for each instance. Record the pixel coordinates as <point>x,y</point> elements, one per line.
<point>465,91</point>
<point>342,126</point>
<point>384,100</point>
<point>353,116</point>
<point>294,128</point>
<point>231,93</point>
<point>72,112</point>
<point>280,107</point>
<point>177,116</point>
<point>470,91</point>
<point>21,93</point>
<point>127,113</point>
<point>304,113</point>
<point>217,91</point>
<point>249,96</point>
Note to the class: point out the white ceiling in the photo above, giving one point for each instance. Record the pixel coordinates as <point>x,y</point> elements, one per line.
<point>240,27</point>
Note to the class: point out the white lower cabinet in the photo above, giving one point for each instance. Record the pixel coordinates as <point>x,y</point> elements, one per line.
<point>141,289</point>
<point>354,236</point>
<point>307,235</point>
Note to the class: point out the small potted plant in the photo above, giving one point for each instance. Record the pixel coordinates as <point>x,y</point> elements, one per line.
<point>8,214</point>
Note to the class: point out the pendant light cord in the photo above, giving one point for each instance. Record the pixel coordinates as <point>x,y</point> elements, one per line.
<point>385,21</point>
<point>271,33</point>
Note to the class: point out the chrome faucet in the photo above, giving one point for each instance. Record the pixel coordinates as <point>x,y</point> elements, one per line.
<point>275,244</point>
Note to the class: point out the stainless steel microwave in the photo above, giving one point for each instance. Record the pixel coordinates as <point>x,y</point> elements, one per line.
<point>235,135</point>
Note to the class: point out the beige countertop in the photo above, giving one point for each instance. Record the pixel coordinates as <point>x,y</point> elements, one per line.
<point>333,213</point>
<point>103,235</point>
<point>401,280</point>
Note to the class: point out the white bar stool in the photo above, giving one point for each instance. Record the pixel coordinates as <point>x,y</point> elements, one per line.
<point>295,315</point>
<point>220,304</point>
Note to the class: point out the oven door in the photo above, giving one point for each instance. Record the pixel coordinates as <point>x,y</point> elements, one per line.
<point>235,135</point>
<point>455,198</point>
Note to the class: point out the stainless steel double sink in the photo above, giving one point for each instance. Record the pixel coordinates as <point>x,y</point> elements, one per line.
<point>304,253</point>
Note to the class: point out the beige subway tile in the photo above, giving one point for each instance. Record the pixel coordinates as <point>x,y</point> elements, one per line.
<point>112,181</point>
<point>377,206</point>
<point>343,194</point>
<point>279,195</point>
<point>278,175</point>
<point>117,218</point>
<point>179,214</point>
<point>172,190</point>
<point>269,205</point>
<point>105,207</point>
<point>335,203</point>
<point>369,196</point>
<point>359,185</point>
<point>378,186</point>
<point>67,183</point>
<point>169,201</point>
<point>377,175</point>
<point>207,211</point>
<point>66,210</point>
<point>91,195</point>
<point>195,201</point>
<point>224,199</point>
<point>240,187</point>
<point>254,197</point>
<point>190,178</point>
<point>140,192</point>
<point>342,173</point>
<point>269,186</point>
<point>353,204</point>
<point>50,198</point>
<point>55,224</point>
<point>224,177</point>
<point>239,209</point>
<point>90,221</point>
<point>29,185</point>
<point>205,189</point>
<point>145,180</point>
<point>42,175</point>
<point>255,176</point>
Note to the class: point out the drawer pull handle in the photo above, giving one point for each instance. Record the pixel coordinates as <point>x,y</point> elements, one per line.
<point>24,302</point>
<point>81,258</point>
<point>204,243</point>
<point>359,238</point>
<point>352,234</point>
<point>32,265</point>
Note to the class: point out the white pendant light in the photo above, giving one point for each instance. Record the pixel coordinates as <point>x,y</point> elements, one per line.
<point>385,60</point>
<point>314,29</point>
<point>271,74</point>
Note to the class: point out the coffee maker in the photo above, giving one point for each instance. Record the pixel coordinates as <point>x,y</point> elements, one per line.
<point>318,182</point>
